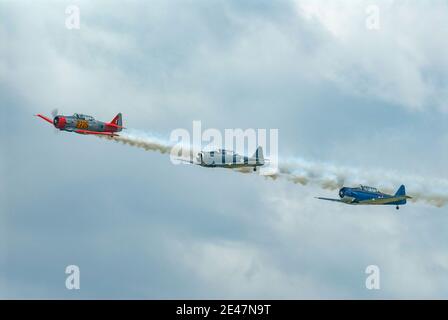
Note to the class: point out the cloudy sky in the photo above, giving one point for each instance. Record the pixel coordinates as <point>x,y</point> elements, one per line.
<point>338,91</point>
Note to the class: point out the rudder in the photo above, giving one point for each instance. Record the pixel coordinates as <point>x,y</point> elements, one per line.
<point>401,191</point>
<point>258,155</point>
<point>118,120</point>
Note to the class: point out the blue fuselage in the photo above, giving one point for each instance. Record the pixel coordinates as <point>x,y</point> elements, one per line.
<point>360,195</point>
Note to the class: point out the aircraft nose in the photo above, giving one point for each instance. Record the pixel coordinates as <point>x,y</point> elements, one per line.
<point>342,193</point>
<point>59,122</point>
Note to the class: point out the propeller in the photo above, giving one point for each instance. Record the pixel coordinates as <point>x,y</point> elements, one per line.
<point>54,113</point>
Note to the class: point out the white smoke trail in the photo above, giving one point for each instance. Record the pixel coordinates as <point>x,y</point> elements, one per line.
<point>327,176</point>
<point>151,142</point>
<point>430,190</point>
<point>143,140</point>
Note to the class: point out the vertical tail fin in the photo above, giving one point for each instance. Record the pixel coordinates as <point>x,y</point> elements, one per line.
<point>118,120</point>
<point>401,192</point>
<point>258,155</point>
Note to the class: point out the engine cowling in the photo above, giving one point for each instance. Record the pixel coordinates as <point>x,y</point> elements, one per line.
<point>59,122</point>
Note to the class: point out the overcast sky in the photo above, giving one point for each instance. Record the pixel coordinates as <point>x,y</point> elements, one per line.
<point>140,227</point>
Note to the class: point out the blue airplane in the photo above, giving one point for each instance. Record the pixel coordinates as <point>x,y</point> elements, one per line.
<point>370,196</point>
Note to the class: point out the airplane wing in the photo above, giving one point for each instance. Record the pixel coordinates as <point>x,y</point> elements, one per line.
<point>110,134</point>
<point>329,199</point>
<point>44,118</point>
<point>383,200</point>
<point>346,200</point>
<point>186,161</point>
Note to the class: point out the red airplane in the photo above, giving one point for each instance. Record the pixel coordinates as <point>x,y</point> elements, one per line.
<point>83,124</point>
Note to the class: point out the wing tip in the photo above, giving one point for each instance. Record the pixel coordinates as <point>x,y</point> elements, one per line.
<point>44,118</point>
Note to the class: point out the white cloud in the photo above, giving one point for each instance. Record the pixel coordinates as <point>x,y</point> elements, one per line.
<point>232,67</point>
<point>399,62</point>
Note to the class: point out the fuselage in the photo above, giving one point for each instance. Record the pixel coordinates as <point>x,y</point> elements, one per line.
<point>367,195</point>
<point>82,123</point>
<point>227,159</point>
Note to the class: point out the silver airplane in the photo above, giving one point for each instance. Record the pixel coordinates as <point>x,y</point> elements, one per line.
<point>228,159</point>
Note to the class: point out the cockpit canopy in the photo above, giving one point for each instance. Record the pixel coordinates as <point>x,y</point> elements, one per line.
<point>368,189</point>
<point>83,117</point>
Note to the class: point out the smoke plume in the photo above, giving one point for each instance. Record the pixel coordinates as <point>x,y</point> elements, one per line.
<point>327,176</point>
